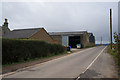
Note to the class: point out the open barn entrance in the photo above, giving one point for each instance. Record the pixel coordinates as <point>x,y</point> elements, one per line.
<point>73,41</point>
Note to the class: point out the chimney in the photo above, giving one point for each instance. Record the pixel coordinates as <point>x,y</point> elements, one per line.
<point>6,23</point>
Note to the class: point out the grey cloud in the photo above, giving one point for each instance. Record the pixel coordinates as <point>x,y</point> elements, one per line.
<point>62,16</point>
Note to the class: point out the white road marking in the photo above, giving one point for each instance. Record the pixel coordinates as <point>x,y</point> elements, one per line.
<point>91,63</point>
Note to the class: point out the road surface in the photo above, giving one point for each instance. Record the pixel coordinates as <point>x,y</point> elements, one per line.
<point>89,63</point>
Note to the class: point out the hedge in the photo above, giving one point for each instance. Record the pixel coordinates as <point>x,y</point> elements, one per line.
<point>16,50</point>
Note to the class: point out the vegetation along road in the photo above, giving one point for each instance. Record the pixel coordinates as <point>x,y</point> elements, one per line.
<point>93,62</point>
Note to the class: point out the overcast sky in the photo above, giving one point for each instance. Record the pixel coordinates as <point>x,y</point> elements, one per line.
<point>62,16</point>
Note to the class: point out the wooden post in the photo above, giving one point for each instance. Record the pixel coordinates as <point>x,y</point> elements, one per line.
<point>111,28</point>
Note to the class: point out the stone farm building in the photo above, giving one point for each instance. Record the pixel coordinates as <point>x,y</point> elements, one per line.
<point>74,38</point>
<point>32,33</point>
<point>64,38</point>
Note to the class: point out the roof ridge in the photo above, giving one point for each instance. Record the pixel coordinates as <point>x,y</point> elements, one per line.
<point>26,29</point>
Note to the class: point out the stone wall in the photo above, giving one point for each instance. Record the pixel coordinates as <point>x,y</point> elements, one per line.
<point>42,35</point>
<point>85,39</point>
<point>57,38</point>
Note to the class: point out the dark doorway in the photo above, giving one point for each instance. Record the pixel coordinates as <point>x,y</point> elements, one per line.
<point>73,40</point>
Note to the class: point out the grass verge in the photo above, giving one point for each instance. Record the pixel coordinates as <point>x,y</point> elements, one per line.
<point>22,61</point>
<point>89,46</point>
<point>114,53</point>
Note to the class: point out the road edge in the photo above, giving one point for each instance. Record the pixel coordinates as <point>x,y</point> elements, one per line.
<point>91,63</point>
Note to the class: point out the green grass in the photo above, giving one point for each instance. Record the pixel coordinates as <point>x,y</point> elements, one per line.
<point>89,46</point>
<point>114,53</point>
<point>51,55</point>
<point>71,51</point>
<point>22,61</point>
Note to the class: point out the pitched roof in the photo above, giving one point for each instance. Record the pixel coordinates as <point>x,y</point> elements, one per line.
<point>21,33</point>
<point>68,33</point>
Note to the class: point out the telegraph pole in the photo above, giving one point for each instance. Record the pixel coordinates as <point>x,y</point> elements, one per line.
<point>111,28</point>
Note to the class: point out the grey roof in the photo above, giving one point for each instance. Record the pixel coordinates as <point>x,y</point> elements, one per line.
<point>67,33</point>
<point>21,33</point>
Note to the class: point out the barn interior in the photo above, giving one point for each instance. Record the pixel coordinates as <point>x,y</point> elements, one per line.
<point>74,40</point>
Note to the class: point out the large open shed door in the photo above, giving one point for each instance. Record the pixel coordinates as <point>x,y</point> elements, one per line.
<point>74,40</point>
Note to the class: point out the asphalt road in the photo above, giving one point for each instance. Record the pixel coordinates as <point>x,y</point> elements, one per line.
<point>91,62</point>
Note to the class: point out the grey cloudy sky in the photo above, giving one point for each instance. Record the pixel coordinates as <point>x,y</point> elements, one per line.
<point>62,16</point>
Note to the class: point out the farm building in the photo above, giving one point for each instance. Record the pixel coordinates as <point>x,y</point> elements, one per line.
<point>73,38</point>
<point>65,38</point>
<point>31,33</point>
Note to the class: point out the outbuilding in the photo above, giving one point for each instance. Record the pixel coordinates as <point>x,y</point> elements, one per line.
<point>73,38</point>
<point>30,33</point>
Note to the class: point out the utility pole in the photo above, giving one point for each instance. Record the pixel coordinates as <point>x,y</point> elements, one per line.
<point>111,28</point>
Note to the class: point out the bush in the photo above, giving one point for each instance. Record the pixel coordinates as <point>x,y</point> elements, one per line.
<point>117,45</point>
<point>114,53</point>
<point>16,50</point>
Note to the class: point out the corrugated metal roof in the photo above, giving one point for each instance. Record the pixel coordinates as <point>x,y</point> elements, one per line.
<point>21,33</point>
<point>68,33</point>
